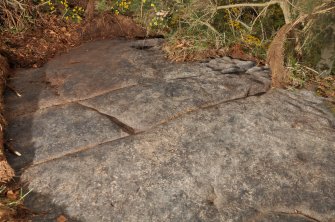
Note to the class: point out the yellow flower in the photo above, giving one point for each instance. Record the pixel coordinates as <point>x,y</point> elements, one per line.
<point>252,40</point>
<point>152,5</point>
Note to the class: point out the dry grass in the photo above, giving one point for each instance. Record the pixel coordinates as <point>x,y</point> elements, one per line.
<point>15,14</point>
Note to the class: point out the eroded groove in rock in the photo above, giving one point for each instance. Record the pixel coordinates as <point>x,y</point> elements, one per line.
<point>128,129</point>
<point>75,151</point>
<point>10,116</point>
<point>58,130</point>
<point>297,213</point>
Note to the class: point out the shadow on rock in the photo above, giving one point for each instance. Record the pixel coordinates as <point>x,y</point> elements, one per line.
<point>34,89</point>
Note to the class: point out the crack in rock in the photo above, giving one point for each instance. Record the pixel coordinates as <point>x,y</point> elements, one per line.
<point>128,129</point>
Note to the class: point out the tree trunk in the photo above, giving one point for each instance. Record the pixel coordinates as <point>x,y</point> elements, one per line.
<point>286,8</point>
<point>284,5</point>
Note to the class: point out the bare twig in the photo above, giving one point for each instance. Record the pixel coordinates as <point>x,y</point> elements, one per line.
<point>241,5</point>
<point>14,90</point>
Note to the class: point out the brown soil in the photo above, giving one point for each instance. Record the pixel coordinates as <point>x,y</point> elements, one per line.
<point>237,52</point>
<point>6,172</point>
<point>52,35</point>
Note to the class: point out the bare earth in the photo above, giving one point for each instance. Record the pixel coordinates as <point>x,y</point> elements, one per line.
<point>112,131</point>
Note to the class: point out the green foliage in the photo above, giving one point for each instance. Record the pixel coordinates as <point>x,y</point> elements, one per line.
<point>309,42</point>
<point>63,8</point>
<point>115,6</point>
<point>152,14</point>
<point>201,25</point>
<point>315,37</point>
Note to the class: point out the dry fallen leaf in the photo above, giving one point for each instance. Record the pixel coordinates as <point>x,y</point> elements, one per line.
<point>61,218</point>
<point>11,195</point>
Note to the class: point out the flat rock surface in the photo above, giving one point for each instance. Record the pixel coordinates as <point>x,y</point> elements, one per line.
<point>111,131</point>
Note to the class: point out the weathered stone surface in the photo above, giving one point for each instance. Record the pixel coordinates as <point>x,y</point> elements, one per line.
<point>90,70</point>
<point>248,160</point>
<point>102,69</point>
<point>279,217</point>
<point>222,65</point>
<point>142,107</point>
<point>98,68</point>
<point>114,132</point>
<point>254,69</point>
<point>147,43</point>
<point>231,70</point>
<point>245,65</point>
<point>36,93</point>
<point>56,131</point>
<point>227,65</point>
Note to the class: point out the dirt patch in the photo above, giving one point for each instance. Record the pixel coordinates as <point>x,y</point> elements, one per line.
<point>237,52</point>
<point>111,26</point>
<point>6,172</point>
<point>51,35</point>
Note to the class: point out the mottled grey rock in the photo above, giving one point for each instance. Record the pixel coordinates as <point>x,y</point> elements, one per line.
<point>219,65</point>
<point>245,65</point>
<point>184,71</point>
<point>227,65</point>
<point>53,132</point>
<point>281,216</point>
<point>254,69</point>
<point>257,159</point>
<point>36,93</point>
<point>115,132</point>
<point>142,107</point>
<point>226,59</point>
<point>231,70</point>
<point>147,43</point>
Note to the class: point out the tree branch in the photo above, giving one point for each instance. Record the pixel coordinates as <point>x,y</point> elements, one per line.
<point>284,5</point>
<point>265,4</point>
